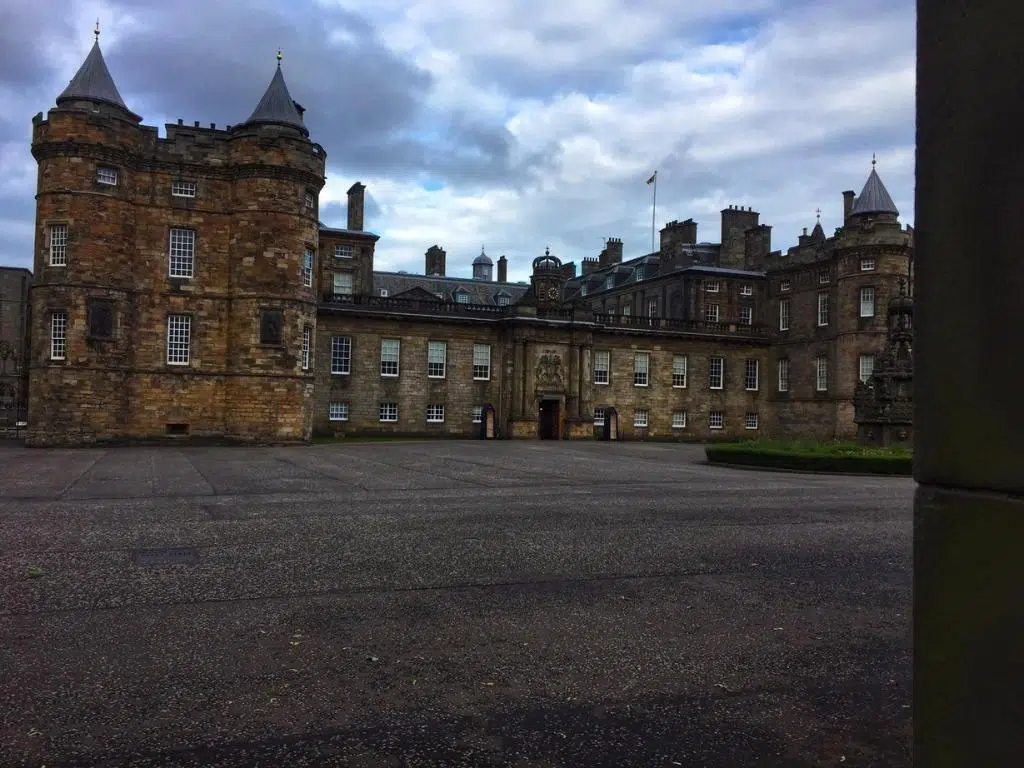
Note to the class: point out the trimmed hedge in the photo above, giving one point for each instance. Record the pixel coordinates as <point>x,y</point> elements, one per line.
<point>813,457</point>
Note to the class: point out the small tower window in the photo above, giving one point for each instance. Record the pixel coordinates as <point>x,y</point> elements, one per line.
<point>181,188</point>
<point>106,175</point>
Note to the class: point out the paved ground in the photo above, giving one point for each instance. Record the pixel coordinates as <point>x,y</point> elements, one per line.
<point>449,603</point>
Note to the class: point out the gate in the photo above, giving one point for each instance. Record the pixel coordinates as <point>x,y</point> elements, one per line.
<point>13,393</point>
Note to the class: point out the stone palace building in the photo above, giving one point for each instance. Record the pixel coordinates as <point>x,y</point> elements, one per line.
<point>184,287</point>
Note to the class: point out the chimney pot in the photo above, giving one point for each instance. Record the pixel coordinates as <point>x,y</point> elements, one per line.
<point>180,121</point>
<point>196,125</point>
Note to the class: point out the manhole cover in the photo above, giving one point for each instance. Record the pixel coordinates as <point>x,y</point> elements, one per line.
<point>147,558</point>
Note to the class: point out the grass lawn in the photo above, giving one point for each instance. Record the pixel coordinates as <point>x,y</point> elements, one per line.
<point>808,455</point>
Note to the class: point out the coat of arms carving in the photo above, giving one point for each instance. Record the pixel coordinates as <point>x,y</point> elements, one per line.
<point>549,372</point>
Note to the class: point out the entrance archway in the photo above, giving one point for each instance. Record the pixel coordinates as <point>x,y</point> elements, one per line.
<point>549,420</point>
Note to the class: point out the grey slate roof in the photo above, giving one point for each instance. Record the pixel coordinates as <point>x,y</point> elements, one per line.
<point>276,107</point>
<point>874,198</point>
<point>480,291</point>
<point>93,81</point>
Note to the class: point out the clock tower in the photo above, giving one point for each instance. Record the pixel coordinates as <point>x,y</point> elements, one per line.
<point>548,280</point>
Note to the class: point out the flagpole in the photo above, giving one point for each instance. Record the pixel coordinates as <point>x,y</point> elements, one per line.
<point>654,208</point>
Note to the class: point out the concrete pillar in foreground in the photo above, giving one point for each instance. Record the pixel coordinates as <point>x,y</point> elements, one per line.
<point>969,386</point>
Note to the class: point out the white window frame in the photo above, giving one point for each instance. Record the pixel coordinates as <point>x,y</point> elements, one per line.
<point>640,417</point>
<point>751,421</point>
<point>437,359</point>
<point>823,317</point>
<point>867,264</point>
<point>341,355</point>
<point>783,374</point>
<point>716,372</point>
<point>678,419</point>
<point>337,411</point>
<point>344,252</point>
<point>824,278</point>
<point>785,286</point>
<point>105,174</point>
<point>307,344</point>
<point>583,289</point>
<point>641,369</point>
<point>435,413</point>
<point>711,313</point>
<point>639,274</point>
<point>865,367</point>
<point>183,188</point>
<point>713,286</point>
<point>387,412</point>
<point>599,416</point>
<point>307,268</point>
<point>602,366</point>
<point>609,282</point>
<point>821,373</point>
<point>58,236</point>
<point>181,253</point>
<point>481,362</point>
<point>383,293</point>
<point>59,335</point>
<point>783,314</point>
<point>477,414</point>
<point>334,284</point>
<point>627,310</point>
<point>866,298</point>
<point>680,371</point>
<point>179,339</point>
<point>310,201</point>
<point>503,300</point>
<point>462,297</point>
<point>652,307</point>
<point>746,315</point>
<point>746,290</point>
<point>390,357</point>
<point>751,374</point>
<point>716,420</point>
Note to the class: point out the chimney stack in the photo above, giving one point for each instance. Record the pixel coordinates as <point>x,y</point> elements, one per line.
<point>848,196</point>
<point>355,207</point>
<point>503,269</point>
<point>435,261</point>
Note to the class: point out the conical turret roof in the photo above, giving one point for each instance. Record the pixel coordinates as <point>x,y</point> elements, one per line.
<point>93,82</point>
<point>874,198</point>
<point>276,107</point>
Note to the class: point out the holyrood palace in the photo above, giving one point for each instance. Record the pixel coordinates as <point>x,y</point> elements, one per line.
<point>184,287</point>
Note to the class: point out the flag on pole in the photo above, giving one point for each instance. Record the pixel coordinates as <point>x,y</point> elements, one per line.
<point>653,177</point>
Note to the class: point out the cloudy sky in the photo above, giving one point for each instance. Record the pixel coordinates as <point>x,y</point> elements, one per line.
<point>513,124</point>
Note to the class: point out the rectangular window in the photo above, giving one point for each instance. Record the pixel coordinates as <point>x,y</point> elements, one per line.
<point>821,373</point>
<point>602,366</point>
<point>310,201</point>
<point>716,420</point>
<point>478,414</point>
<point>462,298</point>
<point>58,245</point>
<point>867,302</point>
<point>58,335</point>
<point>388,412</point>
<point>342,285</point>
<point>746,290</point>
<point>822,309</point>
<point>182,188</point>
<point>785,286</point>
<point>599,417</point>
<point>307,342</point>
<point>867,265</point>
<point>437,357</point>
<point>179,339</point>
<point>751,421</point>
<point>337,411</point>
<point>390,350</point>
<point>341,355</point>
<point>716,372</point>
<point>783,374</point>
<point>272,326</point>
<point>712,286</point>
<point>678,419</point>
<point>106,175</point>
<point>783,314</point>
<point>639,274</point>
<point>823,277</point>
<point>481,362</point>
<point>652,307</point>
<point>182,253</point>
<point>307,268</point>
<point>679,371</point>
<point>383,293</point>
<point>583,289</point>
<point>750,375</point>
<point>627,310</point>
<point>746,315</point>
<point>641,362</point>
<point>865,367</point>
<point>435,414</point>
<point>640,418</point>
<point>711,313</point>
<point>343,252</point>
<point>503,300</point>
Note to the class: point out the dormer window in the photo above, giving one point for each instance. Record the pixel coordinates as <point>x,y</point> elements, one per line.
<point>609,282</point>
<point>713,286</point>
<point>583,289</point>
<point>462,297</point>
<point>182,188</point>
<point>502,299</point>
<point>639,274</point>
<point>106,175</point>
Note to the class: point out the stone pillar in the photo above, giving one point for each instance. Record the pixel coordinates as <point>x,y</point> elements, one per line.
<point>586,380</point>
<point>969,414</point>
<point>517,379</point>
<point>574,380</point>
<point>524,373</point>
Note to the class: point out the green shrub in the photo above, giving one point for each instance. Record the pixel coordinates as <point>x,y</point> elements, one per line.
<point>807,455</point>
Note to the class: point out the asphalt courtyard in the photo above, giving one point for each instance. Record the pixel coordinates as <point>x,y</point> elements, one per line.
<point>449,604</point>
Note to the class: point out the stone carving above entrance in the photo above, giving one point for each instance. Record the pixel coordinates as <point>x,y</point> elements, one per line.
<point>549,373</point>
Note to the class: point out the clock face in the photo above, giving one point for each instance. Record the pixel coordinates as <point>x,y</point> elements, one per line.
<point>552,293</point>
